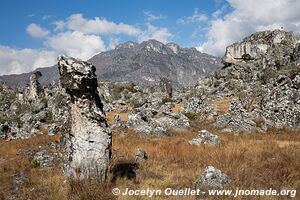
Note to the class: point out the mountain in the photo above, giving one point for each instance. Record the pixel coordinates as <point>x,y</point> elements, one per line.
<point>49,74</point>
<point>144,63</point>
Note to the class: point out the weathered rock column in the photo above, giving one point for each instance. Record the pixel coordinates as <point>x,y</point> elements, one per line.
<point>35,86</point>
<point>86,140</point>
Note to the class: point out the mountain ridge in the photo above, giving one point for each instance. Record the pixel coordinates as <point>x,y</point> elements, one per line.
<point>144,63</point>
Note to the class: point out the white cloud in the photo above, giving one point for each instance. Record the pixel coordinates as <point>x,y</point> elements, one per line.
<point>14,61</point>
<point>248,17</point>
<point>219,12</point>
<point>46,17</point>
<point>151,17</point>
<point>77,22</point>
<point>76,44</point>
<point>195,18</point>
<point>75,36</point>
<point>158,33</point>
<point>59,25</point>
<point>36,31</point>
<point>113,42</point>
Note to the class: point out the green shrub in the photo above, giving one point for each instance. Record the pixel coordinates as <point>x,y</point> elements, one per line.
<point>259,122</point>
<point>22,108</point>
<point>118,89</point>
<point>166,99</point>
<point>135,103</point>
<point>267,75</point>
<point>34,164</point>
<point>44,101</point>
<point>49,116</point>
<point>59,97</point>
<point>191,115</point>
<point>232,86</point>
<point>116,92</point>
<point>2,120</point>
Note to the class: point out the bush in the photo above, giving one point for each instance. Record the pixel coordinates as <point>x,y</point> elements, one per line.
<point>267,75</point>
<point>118,89</point>
<point>116,92</point>
<point>23,108</point>
<point>34,164</point>
<point>2,120</point>
<point>59,98</point>
<point>166,99</point>
<point>232,86</point>
<point>135,103</point>
<point>44,101</point>
<point>49,116</point>
<point>259,122</point>
<point>191,115</point>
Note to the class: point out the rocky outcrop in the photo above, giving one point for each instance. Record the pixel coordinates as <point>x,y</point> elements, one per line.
<point>154,122</point>
<point>86,138</point>
<point>166,86</point>
<point>270,47</point>
<point>262,72</point>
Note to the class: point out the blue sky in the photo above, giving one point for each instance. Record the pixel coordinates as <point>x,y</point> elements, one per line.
<point>34,32</point>
<point>17,15</point>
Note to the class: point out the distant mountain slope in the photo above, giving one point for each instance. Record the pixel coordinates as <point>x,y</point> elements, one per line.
<point>49,74</point>
<point>144,63</point>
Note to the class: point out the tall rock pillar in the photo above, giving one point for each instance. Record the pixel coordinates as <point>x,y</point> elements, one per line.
<point>35,86</point>
<point>86,140</point>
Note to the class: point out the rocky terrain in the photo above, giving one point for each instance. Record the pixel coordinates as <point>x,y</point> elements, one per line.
<point>143,63</point>
<point>233,128</point>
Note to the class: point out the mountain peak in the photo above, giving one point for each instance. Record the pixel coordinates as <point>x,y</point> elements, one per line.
<point>144,63</point>
<point>148,61</point>
<point>173,46</point>
<point>153,45</point>
<point>127,45</point>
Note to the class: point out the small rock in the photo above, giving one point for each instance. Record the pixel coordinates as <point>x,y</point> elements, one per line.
<point>18,181</point>
<point>117,118</point>
<point>4,129</point>
<point>27,117</point>
<point>18,133</point>
<point>205,137</point>
<point>53,130</point>
<point>211,178</point>
<point>37,125</point>
<point>140,156</point>
<point>39,107</point>
<point>44,158</point>
<point>41,116</point>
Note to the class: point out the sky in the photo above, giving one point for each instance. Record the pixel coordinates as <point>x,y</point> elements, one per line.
<point>34,32</point>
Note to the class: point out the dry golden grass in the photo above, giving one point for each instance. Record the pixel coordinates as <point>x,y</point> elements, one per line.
<point>110,117</point>
<point>14,162</point>
<point>256,161</point>
<point>177,107</point>
<point>222,105</point>
<point>253,161</point>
